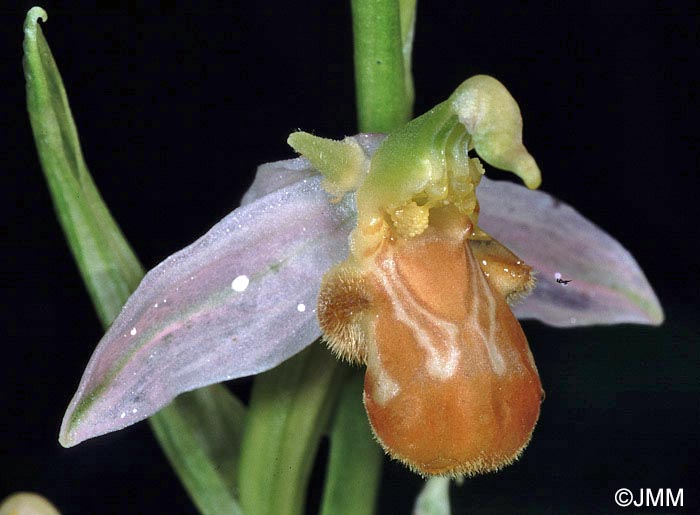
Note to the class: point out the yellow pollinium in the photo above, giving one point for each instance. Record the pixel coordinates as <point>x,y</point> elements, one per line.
<point>422,300</point>
<point>410,219</point>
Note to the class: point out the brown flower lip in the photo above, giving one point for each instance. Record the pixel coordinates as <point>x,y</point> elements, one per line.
<point>451,386</point>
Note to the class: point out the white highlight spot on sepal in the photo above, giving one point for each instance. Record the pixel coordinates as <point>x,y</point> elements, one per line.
<point>240,283</point>
<point>133,331</point>
<point>557,275</point>
<point>301,308</point>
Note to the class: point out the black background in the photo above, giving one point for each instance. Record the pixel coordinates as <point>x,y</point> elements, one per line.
<point>177,106</point>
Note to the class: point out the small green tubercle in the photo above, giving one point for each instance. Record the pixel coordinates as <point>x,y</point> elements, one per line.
<point>426,163</point>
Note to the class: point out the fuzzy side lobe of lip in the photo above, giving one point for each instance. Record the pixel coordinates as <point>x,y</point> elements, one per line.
<point>451,386</point>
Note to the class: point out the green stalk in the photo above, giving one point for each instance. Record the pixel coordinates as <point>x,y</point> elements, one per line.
<point>289,410</point>
<point>384,101</point>
<point>200,433</point>
<point>355,459</point>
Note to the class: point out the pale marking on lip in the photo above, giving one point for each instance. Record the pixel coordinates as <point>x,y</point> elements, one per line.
<point>495,356</point>
<point>441,364</point>
<point>384,387</point>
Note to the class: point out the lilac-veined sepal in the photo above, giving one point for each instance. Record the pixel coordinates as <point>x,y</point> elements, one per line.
<point>607,285</point>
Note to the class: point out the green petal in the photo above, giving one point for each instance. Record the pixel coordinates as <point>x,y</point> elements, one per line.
<point>342,163</point>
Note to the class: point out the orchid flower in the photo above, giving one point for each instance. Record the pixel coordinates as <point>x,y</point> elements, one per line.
<point>397,252</point>
<point>243,298</point>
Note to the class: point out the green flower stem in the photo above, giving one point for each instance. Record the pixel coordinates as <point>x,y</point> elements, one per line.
<point>408,23</point>
<point>355,459</point>
<point>199,431</point>
<point>383,98</point>
<point>289,411</point>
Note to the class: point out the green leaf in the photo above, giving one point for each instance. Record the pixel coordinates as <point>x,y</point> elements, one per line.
<point>107,264</point>
<point>199,431</point>
<point>289,409</point>
<point>434,498</point>
<point>355,459</point>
